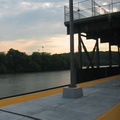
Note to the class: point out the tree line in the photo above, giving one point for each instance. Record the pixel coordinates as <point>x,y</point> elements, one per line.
<point>15,61</point>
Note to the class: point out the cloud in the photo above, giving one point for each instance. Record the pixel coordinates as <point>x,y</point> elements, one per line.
<point>27,25</point>
<point>31,20</point>
<point>12,7</point>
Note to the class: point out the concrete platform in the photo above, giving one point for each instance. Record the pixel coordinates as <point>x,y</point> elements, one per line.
<point>97,99</point>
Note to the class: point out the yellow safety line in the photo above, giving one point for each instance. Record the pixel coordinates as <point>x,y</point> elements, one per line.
<point>112,114</point>
<point>15,100</point>
<point>97,81</point>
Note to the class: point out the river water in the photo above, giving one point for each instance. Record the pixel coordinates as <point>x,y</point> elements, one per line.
<point>15,84</point>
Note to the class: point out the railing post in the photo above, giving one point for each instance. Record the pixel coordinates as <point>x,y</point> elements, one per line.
<point>92,7</point>
<point>64,13</point>
<point>112,5</point>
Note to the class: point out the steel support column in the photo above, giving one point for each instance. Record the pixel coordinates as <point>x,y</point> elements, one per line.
<point>72,91</point>
<point>72,64</point>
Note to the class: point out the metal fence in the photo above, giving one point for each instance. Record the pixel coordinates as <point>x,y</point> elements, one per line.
<point>113,6</point>
<point>90,8</point>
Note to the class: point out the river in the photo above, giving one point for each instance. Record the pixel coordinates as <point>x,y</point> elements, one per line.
<point>15,84</point>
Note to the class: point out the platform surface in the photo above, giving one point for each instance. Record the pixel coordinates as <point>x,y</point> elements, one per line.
<point>101,99</point>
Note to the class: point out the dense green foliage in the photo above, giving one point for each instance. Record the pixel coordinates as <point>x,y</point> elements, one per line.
<point>16,61</point>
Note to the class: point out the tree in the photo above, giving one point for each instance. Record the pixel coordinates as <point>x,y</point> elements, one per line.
<point>58,62</point>
<point>36,61</point>
<point>45,61</point>
<point>3,61</point>
<point>15,60</point>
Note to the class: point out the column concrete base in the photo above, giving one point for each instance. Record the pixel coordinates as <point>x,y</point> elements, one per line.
<point>72,92</point>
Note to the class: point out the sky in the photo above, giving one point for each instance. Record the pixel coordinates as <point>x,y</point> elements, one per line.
<point>27,25</point>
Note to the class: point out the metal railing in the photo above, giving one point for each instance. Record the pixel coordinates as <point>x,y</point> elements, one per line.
<point>112,6</point>
<point>97,9</point>
<point>76,14</point>
<point>89,8</point>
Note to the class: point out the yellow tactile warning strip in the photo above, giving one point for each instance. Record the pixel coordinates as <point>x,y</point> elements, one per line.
<point>15,100</point>
<point>112,114</point>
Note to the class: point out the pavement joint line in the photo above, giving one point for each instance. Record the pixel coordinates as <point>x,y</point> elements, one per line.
<point>111,114</point>
<point>19,99</point>
<point>20,114</point>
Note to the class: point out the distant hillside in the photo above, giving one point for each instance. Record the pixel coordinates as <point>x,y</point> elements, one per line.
<point>104,58</point>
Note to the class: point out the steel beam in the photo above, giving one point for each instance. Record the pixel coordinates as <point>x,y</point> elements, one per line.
<point>87,54</point>
<point>98,55</point>
<point>93,52</point>
<point>80,50</point>
<point>110,56</point>
<point>118,55</point>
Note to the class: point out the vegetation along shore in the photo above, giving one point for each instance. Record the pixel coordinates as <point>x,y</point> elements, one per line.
<point>15,61</point>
